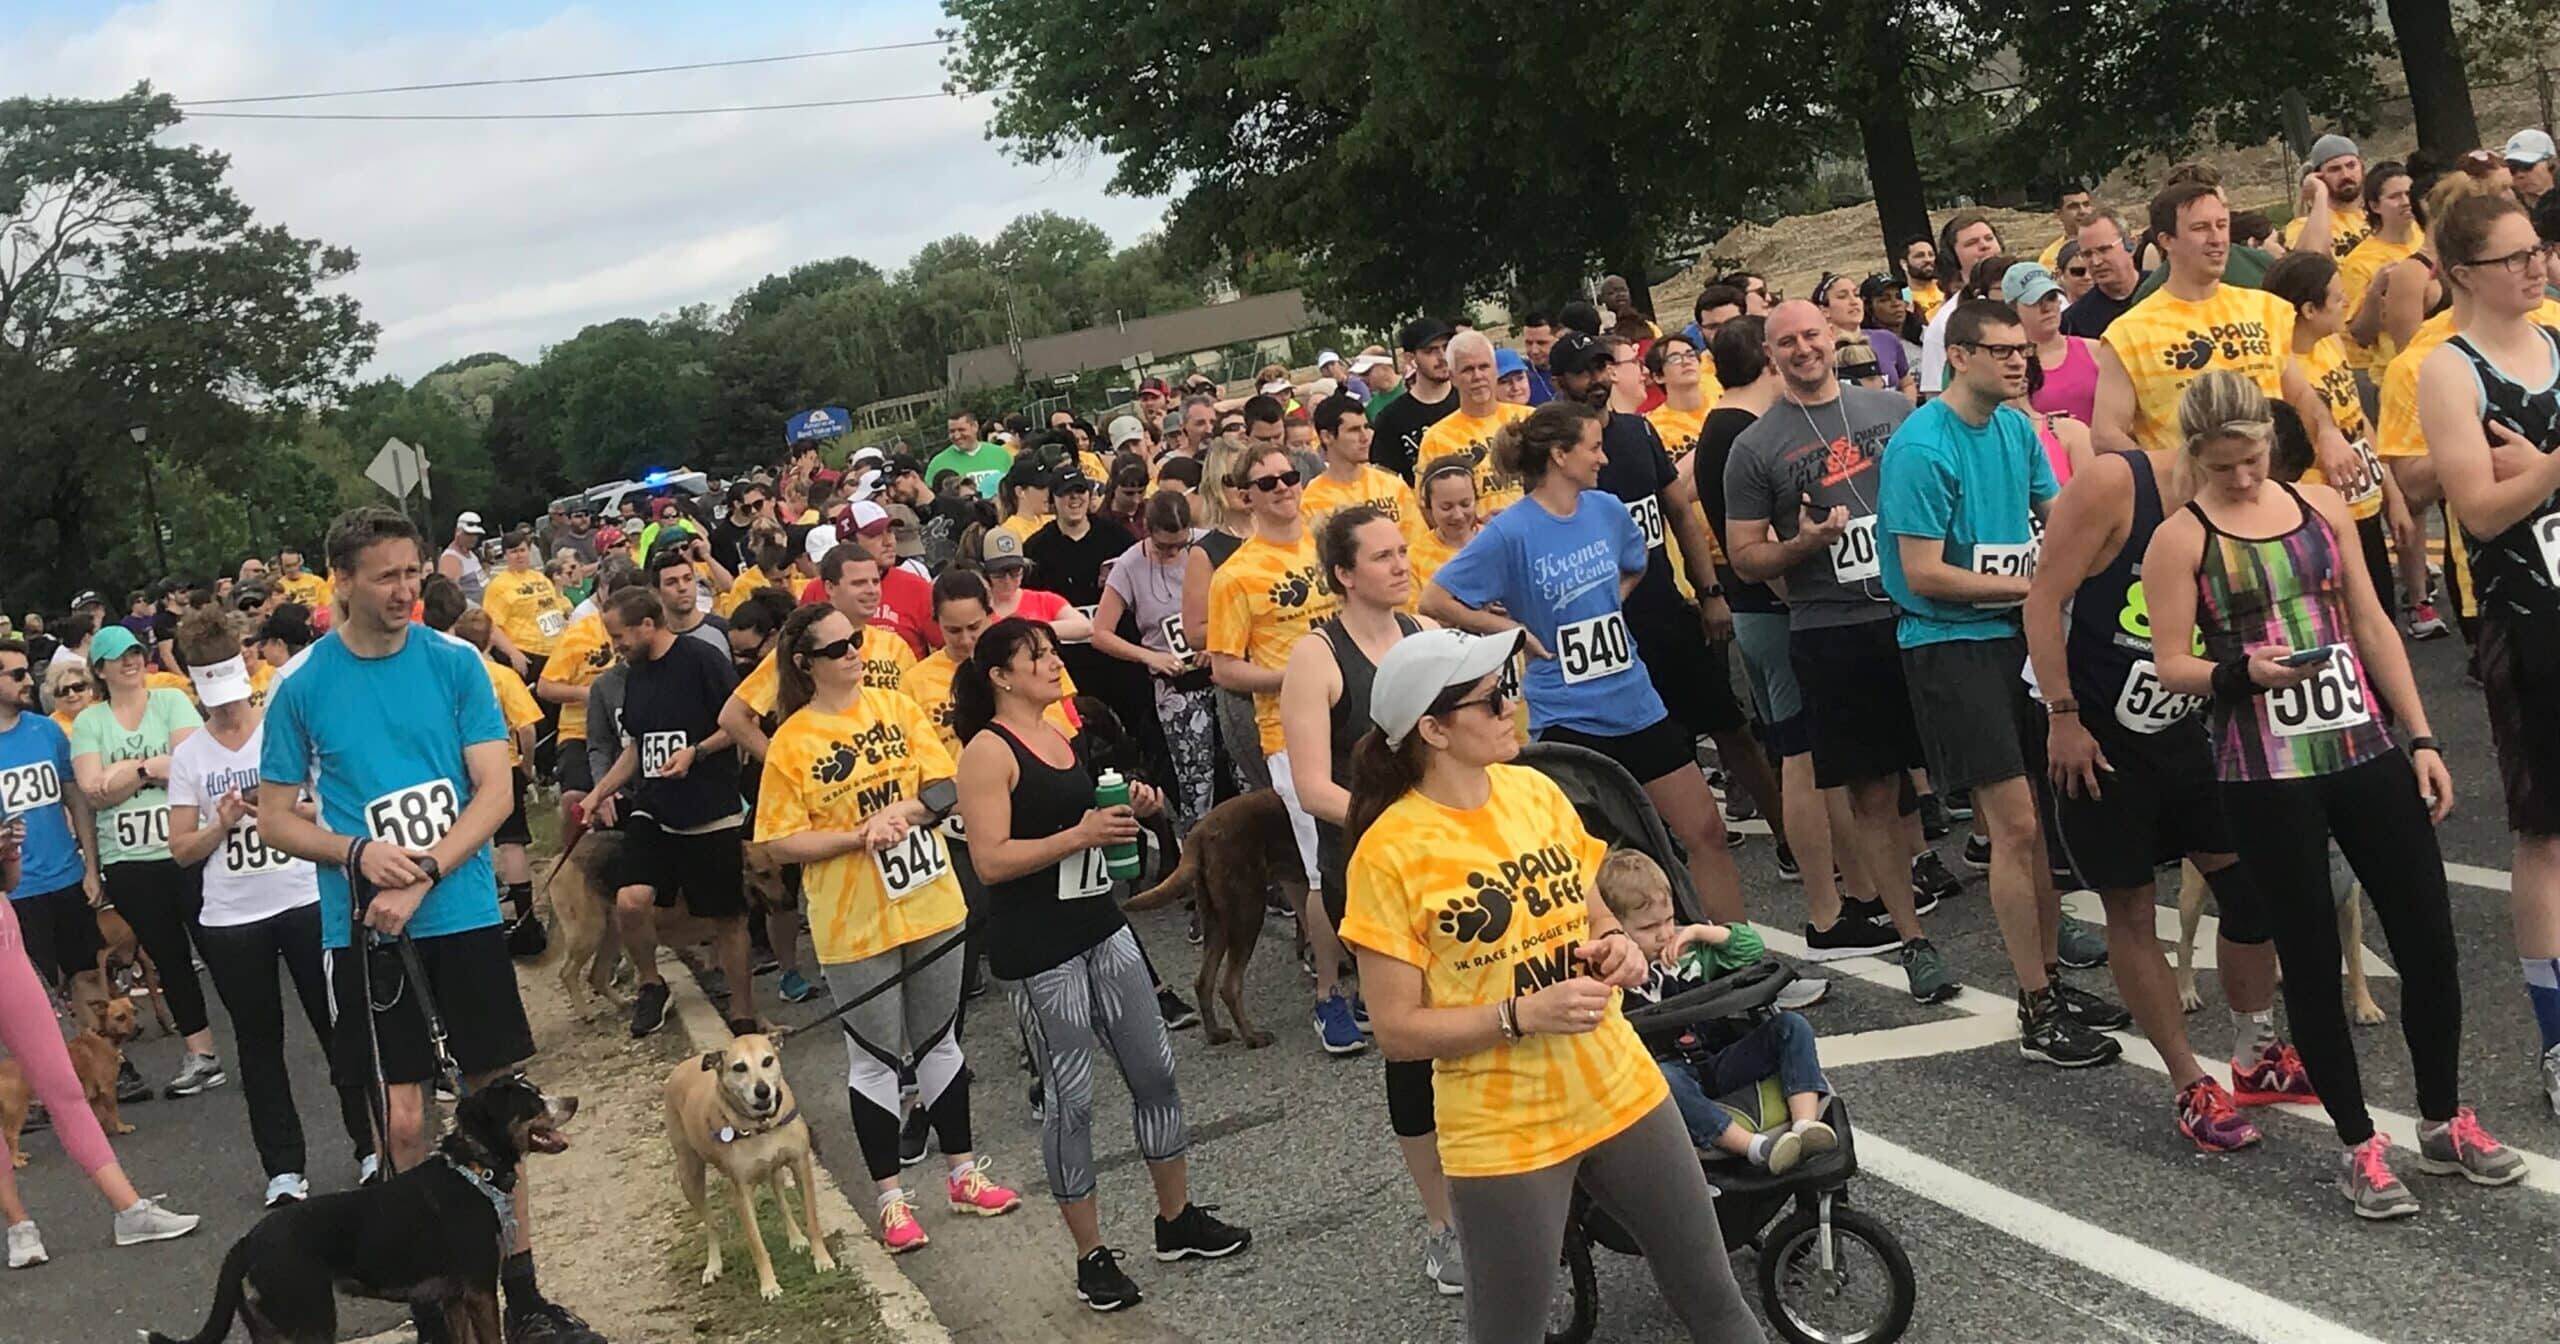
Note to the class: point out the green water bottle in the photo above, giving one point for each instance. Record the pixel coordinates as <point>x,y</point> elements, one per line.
<point>1110,790</point>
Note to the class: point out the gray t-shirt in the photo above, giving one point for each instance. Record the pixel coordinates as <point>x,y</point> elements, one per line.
<point>1828,452</point>
<point>1153,593</point>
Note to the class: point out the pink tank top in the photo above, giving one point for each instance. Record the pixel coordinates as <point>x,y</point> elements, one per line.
<point>2072,389</point>
<point>2054,451</point>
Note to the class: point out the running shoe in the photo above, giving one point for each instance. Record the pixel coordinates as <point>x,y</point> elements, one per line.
<point>2209,1120</point>
<point>972,1192</point>
<point>199,1073</point>
<point>1930,879</point>
<point>26,1249</point>
<point>1176,1013</point>
<point>1194,1234</point>
<point>1852,935</point>
<point>2368,1184</point>
<point>1739,807</point>
<point>1334,1028</point>
<point>534,1320</point>
<point>526,938</point>
<point>1960,804</point>
<point>1037,1098</point>
<point>2425,624</point>
<point>369,1170</point>
<point>1802,992</point>
<point>2276,1077</point>
<point>1926,972</point>
<point>2046,1032</point>
<point>1815,1137</point>
<point>2550,1078</point>
<point>1734,839</point>
<point>1788,871</point>
<point>914,1136</point>
<point>899,1230</point>
<point>1100,1284</point>
<point>2460,1147</point>
<point>797,988</point>
<point>148,1221</point>
<point>2086,1008</point>
<point>649,1009</point>
<point>1360,1014</point>
<point>1441,1261</point>
<point>2081,944</point>
<point>1191,926</point>
<point>1977,852</point>
<point>766,963</point>
<point>288,1187</point>
<point>1935,824</point>
<point>1780,1152</point>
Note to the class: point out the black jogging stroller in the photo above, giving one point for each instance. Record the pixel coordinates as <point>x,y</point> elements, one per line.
<point>1828,1273</point>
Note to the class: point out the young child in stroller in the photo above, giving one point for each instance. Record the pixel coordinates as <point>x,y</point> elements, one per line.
<point>1684,957</point>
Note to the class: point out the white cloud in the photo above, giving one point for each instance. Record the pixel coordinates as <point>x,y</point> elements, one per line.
<point>509,236</point>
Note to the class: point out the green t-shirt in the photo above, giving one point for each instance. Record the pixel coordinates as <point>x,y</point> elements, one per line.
<point>986,464</point>
<point>2247,269</point>
<point>137,829</point>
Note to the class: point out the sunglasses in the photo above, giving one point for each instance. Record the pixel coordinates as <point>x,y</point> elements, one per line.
<point>16,673</point>
<point>1496,702</point>
<point>2076,272</point>
<point>828,652</point>
<point>1276,481</point>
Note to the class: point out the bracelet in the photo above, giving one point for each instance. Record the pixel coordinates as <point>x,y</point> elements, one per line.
<point>1506,1018</point>
<point>2232,683</point>
<point>2058,708</point>
<point>2425,742</point>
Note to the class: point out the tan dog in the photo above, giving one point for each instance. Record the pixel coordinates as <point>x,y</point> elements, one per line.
<point>16,1096</point>
<point>730,1110</point>
<point>122,948</point>
<point>589,949</point>
<point>97,1054</point>
<point>2192,891</point>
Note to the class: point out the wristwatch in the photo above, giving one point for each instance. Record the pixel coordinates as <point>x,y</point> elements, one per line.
<point>435,871</point>
<point>2065,705</point>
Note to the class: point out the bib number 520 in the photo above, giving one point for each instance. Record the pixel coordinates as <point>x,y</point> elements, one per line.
<point>415,817</point>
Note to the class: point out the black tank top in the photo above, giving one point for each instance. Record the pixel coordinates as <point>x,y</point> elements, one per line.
<point>2514,569</point>
<point>2109,644</point>
<point>1029,927</point>
<point>1350,723</point>
<point>1218,544</point>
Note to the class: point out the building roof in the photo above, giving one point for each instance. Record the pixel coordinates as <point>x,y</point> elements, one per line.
<point>1158,339</point>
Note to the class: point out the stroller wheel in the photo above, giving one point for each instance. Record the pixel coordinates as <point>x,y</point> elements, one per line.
<point>1574,1308</point>
<point>1863,1295</point>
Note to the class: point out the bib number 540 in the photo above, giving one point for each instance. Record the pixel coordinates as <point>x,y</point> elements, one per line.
<point>1595,648</point>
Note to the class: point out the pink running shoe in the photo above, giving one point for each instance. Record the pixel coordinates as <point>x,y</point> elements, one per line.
<point>2275,1078</point>
<point>2460,1147</point>
<point>972,1192</point>
<point>899,1230</point>
<point>2210,1121</point>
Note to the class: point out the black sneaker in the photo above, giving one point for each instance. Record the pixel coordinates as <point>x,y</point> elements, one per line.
<point>1788,869</point>
<point>1195,1234</point>
<point>540,1322</point>
<point>1175,1012</point>
<point>1855,934</point>
<point>2086,1008</point>
<point>1191,927</point>
<point>129,1085</point>
<point>649,1009</point>
<point>1100,1284</point>
<point>1738,806</point>
<point>914,1136</point>
<point>1960,804</point>
<point>766,963</point>
<point>37,1117</point>
<point>1977,853</point>
<point>1934,822</point>
<point>1930,880</point>
<point>2047,1032</point>
<point>526,938</point>
<point>1036,1102</point>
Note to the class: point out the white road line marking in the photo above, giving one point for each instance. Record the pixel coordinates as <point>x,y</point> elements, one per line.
<point>2243,1310</point>
<point>2473,875</point>
<point>2086,905</point>
<point>1919,1041</point>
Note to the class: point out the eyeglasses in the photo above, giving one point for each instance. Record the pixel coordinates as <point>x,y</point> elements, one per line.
<point>2076,272</point>
<point>2001,352</point>
<point>1276,481</point>
<point>1679,357</point>
<point>2516,263</point>
<point>1629,362</point>
<point>830,651</point>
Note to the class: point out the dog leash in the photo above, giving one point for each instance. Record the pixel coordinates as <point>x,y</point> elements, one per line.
<point>940,950</point>
<point>361,892</point>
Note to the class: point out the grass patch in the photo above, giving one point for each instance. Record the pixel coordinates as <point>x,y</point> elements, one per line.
<point>814,1308</point>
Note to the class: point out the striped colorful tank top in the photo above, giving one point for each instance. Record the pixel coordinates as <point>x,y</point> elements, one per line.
<point>2286,590</point>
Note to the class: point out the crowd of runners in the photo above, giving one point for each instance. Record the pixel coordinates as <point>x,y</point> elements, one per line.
<point>2105,548</point>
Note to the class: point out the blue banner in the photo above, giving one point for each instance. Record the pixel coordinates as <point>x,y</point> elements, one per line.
<point>826,422</point>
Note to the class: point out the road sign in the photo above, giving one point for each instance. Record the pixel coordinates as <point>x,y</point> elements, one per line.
<point>398,469</point>
<point>825,422</point>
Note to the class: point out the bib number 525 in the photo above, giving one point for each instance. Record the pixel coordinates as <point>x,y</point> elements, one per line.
<point>415,817</point>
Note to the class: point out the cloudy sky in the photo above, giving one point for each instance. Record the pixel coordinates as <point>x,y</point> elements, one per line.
<point>508,236</point>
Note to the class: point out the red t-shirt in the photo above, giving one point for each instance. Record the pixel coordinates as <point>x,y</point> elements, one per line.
<point>906,608</point>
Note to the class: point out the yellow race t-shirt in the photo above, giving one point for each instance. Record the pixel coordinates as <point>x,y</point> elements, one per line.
<point>172,681</point>
<point>1022,525</point>
<point>1325,497</point>
<point>1472,437</point>
<point>1925,298</point>
<point>581,655</point>
<point>1489,903</point>
<point>1679,431</point>
<point>262,674</point>
<point>750,581</point>
<point>2348,226</point>
<point>885,660</point>
<point>928,683</point>
<point>1261,602</point>
<point>515,704</point>
<point>307,588</point>
<point>527,608</point>
<point>1429,554</point>
<point>2165,341</point>
<point>826,772</point>
<point>2356,272</point>
<point>2326,366</point>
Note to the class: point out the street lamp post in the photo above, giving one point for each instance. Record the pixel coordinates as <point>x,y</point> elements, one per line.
<point>151,496</point>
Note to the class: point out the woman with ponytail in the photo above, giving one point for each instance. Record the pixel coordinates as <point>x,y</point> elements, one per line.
<point>842,796</point>
<point>1078,981</point>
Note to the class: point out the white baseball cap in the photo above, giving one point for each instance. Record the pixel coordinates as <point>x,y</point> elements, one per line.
<point>1367,362</point>
<point>1328,357</point>
<point>2529,147</point>
<point>470,522</point>
<point>1421,666</point>
<point>1126,429</point>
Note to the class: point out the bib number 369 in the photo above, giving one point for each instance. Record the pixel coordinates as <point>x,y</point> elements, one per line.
<point>2327,701</point>
<point>1592,649</point>
<point>415,817</point>
<point>911,864</point>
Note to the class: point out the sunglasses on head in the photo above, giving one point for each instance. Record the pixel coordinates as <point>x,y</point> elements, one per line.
<point>1276,481</point>
<point>828,652</point>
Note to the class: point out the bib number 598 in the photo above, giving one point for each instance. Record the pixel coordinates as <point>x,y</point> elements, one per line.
<point>415,817</point>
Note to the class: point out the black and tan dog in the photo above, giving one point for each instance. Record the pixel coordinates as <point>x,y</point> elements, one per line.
<point>432,1236</point>
<point>731,1112</point>
<point>1235,856</point>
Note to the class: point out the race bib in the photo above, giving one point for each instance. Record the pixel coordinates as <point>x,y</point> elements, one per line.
<point>952,828</point>
<point>244,851</point>
<point>551,623</point>
<point>2546,538</point>
<point>2332,698</point>
<point>1592,649</point>
<point>911,864</point>
<point>1646,514</point>
<point>2372,472</point>
<point>1083,875</point>
<point>1174,643</point>
<point>656,749</point>
<point>143,827</point>
<point>2146,706</point>
<point>1853,553</point>
<point>27,787</point>
<point>415,817</point>
<point>2011,560</point>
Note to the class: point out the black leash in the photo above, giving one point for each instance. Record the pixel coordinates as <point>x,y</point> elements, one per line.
<point>413,972</point>
<point>940,950</point>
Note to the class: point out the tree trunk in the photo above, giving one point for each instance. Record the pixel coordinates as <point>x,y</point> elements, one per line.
<point>1884,132</point>
<point>2439,91</point>
<point>1632,260</point>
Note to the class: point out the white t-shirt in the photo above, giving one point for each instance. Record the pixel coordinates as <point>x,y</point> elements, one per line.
<point>1933,348</point>
<point>244,880</point>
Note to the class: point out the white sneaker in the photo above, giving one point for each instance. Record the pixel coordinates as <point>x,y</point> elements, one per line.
<point>368,1168</point>
<point>194,1076</point>
<point>288,1187</point>
<point>25,1247</point>
<point>2551,1078</point>
<point>1803,992</point>
<point>147,1221</point>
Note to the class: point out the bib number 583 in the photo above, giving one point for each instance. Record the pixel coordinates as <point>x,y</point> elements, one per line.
<point>415,817</point>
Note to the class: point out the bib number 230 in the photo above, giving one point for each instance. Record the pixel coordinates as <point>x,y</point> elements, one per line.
<point>415,817</point>
<point>1592,649</point>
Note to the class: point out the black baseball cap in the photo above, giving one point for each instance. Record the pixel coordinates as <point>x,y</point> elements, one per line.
<point>1576,352</point>
<point>904,464</point>
<point>1422,331</point>
<point>1069,477</point>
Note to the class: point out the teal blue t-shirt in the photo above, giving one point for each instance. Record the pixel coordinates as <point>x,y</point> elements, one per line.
<point>1973,487</point>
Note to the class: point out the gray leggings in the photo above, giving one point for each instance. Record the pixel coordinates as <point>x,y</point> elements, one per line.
<point>914,1027</point>
<point>1099,998</point>
<point>1511,1230</point>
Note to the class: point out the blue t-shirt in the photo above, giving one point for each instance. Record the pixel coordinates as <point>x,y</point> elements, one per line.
<point>383,739</point>
<point>1973,488</point>
<point>35,768</point>
<point>1559,578</point>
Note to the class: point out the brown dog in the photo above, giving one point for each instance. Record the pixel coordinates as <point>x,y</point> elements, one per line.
<point>731,1111</point>
<point>1231,860</point>
<point>16,1095</point>
<point>2192,891</point>
<point>121,949</point>
<point>97,1054</point>
<point>589,949</point>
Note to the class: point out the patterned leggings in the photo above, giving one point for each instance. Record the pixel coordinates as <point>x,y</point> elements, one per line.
<point>1191,734</point>
<point>1101,997</point>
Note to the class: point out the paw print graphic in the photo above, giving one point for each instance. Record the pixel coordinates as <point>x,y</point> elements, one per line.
<point>1290,592</point>
<point>1481,916</point>
<point>836,767</point>
<point>2194,355</point>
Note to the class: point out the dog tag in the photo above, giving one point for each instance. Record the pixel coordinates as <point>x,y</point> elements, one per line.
<point>912,864</point>
<point>1083,875</point>
<point>726,1135</point>
<point>415,817</point>
<point>656,749</point>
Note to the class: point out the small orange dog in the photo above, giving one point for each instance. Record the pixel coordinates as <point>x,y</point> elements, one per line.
<point>15,1097</point>
<point>97,1053</point>
<point>122,948</point>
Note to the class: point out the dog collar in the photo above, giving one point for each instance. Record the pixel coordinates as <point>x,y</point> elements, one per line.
<point>498,1200</point>
<point>733,1133</point>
